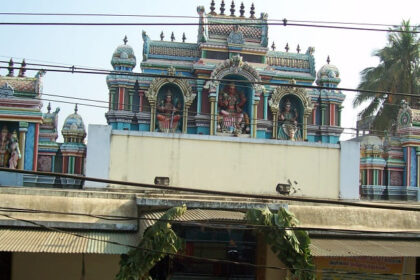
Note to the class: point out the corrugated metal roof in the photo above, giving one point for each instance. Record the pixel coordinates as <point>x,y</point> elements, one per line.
<point>45,241</point>
<point>148,219</point>
<point>373,248</point>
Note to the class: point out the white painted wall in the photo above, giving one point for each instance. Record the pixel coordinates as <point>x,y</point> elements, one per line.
<point>349,169</point>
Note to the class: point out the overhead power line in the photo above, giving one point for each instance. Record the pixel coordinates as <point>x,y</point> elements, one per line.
<point>285,23</point>
<point>222,193</point>
<point>75,70</point>
<point>184,16</point>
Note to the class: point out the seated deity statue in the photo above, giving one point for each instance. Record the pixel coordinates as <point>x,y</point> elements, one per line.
<point>14,151</point>
<point>288,123</point>
<point>4,145</point>
<point>232,118</point>
<point>168,114</point>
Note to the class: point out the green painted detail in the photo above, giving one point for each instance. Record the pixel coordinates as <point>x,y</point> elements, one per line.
<point>204,54</point>
<point>21,113</point>
<point>23,124</point>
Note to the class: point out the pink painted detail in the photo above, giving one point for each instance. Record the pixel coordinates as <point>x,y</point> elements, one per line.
<point>35,160</point>
<point>121,98</point>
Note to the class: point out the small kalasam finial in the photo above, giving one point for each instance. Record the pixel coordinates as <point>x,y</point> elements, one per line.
<point>183,37</point>
<point>125,40</point>
<point>273,46</point>
<point>298,49</point>
<point>212,8</point>
<point>162,36</point>
<point>10,68</point>
<point>75,109</point>
<point>252,11</point>
<point>328,60</point>
<point>287,47</point>
<point>172,37</point>
<point>49,107</point>
<point>222,8</point>
<point>242,10</point>
<point>232,9</point>
<point>22,69</point>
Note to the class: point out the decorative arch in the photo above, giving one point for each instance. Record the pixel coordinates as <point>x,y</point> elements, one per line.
<point>185,88</point>
<point>233,66</point>
<point>300,93</point>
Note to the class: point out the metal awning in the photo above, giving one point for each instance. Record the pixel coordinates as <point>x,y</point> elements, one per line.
<point>191,215</point>
<point>356,248</point>
<point>45,241</point>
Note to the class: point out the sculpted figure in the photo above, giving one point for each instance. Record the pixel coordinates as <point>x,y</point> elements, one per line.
<point>4,144</point>
<point>288,123</point>
<point>168,114</point>
<point>14,151</point>
<point>231,116</point>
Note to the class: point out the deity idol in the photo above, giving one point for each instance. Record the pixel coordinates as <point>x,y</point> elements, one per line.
<point>4,144</point>
<point>168,114</point>
<point>288,125</point>
<point>14,151</point>
<point>231,116</point>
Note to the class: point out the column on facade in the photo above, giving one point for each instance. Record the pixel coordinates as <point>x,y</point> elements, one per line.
<point>323,109</point>
<point>23,128</point>
<point>200,84</point>
<point>418,165</point>
<point>332,114</point>
<point>266,95</point>
<point>314,110</point>
<point>141,96</point>
<point>35,161</point>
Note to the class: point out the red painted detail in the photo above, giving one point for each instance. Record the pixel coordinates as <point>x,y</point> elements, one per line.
<point>332,114</point>
<point>121,98</point>
<point>141,94</point>
<point>260,110</point>
<point>65,164</point>
<point>77,165</point>
<point>314,115</point>
<point>35,161</point>
<point>205,104</point>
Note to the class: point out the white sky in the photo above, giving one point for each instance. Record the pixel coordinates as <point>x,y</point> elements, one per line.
<point>93,46</point>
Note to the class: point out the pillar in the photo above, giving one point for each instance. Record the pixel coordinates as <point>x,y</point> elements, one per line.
<point>323,108</point>
<point>200,84</point>
<point>266,95</point>
<point>254,119</point>
<point>23,128</point>
<point>418,163</point>
<point>213,118</point>
<point>35,162</point>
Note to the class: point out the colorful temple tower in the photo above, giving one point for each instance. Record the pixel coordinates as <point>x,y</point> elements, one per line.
<point>227,83</point>
<point>389,165</point>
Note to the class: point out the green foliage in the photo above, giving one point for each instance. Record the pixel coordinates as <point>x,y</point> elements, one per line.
<point>290,246</point>
<point>398,71</point>
<point>158,240</point>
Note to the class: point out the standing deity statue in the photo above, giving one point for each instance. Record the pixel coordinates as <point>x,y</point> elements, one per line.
<point>4,145</point>
<point>232,118</point>
<point>168,113</point>
<point>288,123</point>
<point>14,151</point>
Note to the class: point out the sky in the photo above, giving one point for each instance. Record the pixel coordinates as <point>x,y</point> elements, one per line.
<point>93,46</point>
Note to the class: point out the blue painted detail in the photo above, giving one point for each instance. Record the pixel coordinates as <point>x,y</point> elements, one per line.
<point>192,130</point>
<point>170,57</point>
<point>231,48</point>
<point>413,168</point>
<point>203,130</point>
<point>144,127</point>
<point>311,138</point>
<point>334,139</point>
<point>165,72</point>
<point>134,127</point>
<point>29,147</point>
<point>53,164</point>
<point>261,134</point>
<point>285,68</point>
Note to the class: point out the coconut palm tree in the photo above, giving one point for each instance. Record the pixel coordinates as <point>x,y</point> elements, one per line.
<point>397,72</point>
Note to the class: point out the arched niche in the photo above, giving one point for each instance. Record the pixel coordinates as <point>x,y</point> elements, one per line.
<point>299,111</point>
<point>234,68</point>
<point>181,88</point>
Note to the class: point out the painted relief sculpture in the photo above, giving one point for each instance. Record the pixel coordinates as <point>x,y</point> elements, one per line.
<point>168,113</point>
<point>14,151</point>
<point>232,118</point>
<point>288,123</point>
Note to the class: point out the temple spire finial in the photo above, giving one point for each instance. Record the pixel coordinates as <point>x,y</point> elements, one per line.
<point>252,11</point>
<point>232,9</point>
<point>242,10</point>
<point>183,37</point>
<point>22,69</point>
<point>273,46</point>
<point>287,47</point>
<point>75,109</point>
<point>298,49</point>
<point>172,37</point>
<point>162,36</point>
<point>10,68</point>
<point>49,107</point>
<point>222,8</point>
<point>125,40</point>
<point>328,60</point>
<point>212,8</point>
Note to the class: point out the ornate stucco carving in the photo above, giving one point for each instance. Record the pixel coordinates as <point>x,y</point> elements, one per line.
<point>281,91</point>
<point>184,86</point>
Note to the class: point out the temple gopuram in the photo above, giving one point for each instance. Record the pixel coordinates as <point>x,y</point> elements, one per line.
<point>227,83</point>
<point>28,138</point>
